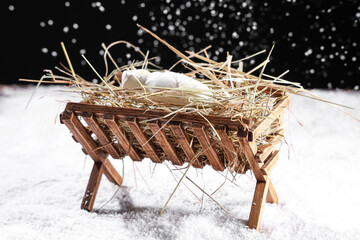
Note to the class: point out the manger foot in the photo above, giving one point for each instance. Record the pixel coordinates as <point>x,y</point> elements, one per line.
<point>272,196</point>
<point>92,187</point>
<point>258,205</point>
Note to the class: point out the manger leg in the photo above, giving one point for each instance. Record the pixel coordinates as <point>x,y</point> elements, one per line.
<point>92,187</point>
<point>258,205</point>
<point>272,197</point>
<point>111,173</point>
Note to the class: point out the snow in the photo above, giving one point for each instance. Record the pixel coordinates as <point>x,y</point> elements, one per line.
<point>44,174</point>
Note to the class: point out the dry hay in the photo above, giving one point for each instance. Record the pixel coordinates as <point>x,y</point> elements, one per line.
<point>232,92</point>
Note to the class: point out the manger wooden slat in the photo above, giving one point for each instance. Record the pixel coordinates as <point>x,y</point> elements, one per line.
<point>264,153</point>
<point>208,149</point>
<point>104,139</point>
<point>164,142</point>
<point>121,137</point>
<point>183,139</point>
<point>270,163</point>
<point>120,112</point>
<point>148,146</point>
<point>277,110</point>
<point>258,203</point>
<point>228,146</point>
<point>92,187</point>
<point>250,156</point>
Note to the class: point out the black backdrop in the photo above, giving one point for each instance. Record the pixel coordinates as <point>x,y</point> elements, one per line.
<point>318,41</point>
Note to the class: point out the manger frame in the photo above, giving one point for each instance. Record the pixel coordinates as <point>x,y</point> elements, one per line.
<point>99,147</point>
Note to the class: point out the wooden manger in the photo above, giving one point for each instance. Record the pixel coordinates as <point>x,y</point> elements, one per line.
<point>115,131</point>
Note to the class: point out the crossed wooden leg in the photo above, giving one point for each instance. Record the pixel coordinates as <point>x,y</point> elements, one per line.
<point>101,164</point>
<point>94,181</point>
<point>264,190</point>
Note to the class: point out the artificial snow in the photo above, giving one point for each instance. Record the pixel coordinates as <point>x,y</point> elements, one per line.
<point>44,174</point>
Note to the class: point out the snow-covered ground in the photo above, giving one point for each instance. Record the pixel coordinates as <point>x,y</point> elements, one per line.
<point>44,173</point>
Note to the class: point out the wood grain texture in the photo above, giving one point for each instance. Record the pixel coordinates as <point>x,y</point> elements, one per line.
<point>148,146</point>
<point>164,142</point>
<point>229,147</point>
<point>92,186</point>
<point>258,203</point>
<point>104,139</point>
<point>122,139</point>
<point>183,139</point>
<point>208,149</point>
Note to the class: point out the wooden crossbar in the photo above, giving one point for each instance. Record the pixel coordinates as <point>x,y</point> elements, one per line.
<point>183,139</point>
<point>229,148</point>
<point>143,140</point>
<point>208,149</point>
<point>122,139</point>
<point>102,136</point>
<point>165,143</point>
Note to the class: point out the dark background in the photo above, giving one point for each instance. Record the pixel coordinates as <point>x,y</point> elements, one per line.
<point>318,41</point>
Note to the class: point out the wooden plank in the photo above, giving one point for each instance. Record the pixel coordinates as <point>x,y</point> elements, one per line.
<point>104,139</point>
<point>278,109</point>
<point>92,186</point>
<point>229,147</point>
<point>271,146</point>
<point>164,142</point>
<point>101,110</point>
<point>209,150</point>
<point>110,170</point>
<point>270,163</point>
<point>258,205</point>
<point>183,139</point>
<point>272,196</point>
<point>250,151</point>
<point>121,137</point>
<point>148,146</point>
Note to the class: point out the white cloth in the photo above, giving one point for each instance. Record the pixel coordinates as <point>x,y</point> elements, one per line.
<point>133,78</point>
